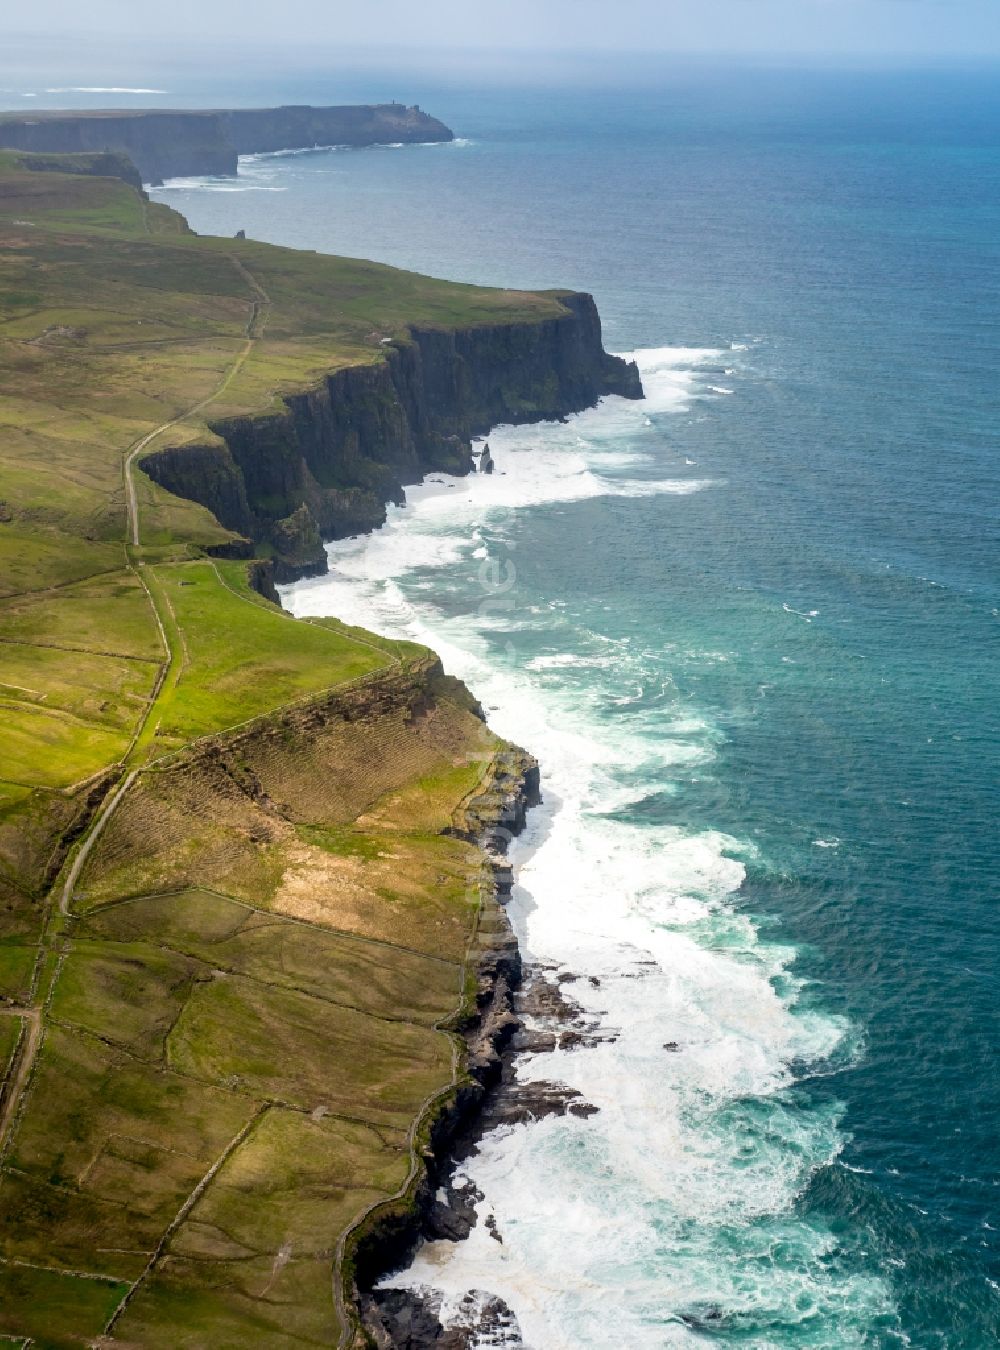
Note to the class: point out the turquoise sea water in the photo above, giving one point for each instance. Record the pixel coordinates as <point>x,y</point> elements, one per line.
<point>752,635</point>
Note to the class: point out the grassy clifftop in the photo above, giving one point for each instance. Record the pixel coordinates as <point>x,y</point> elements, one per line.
<point>236,920</point>
<point>115,320</point>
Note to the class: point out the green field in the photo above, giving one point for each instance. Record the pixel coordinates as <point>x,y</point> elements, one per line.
<point>235,917</point>
<point>242,658</point>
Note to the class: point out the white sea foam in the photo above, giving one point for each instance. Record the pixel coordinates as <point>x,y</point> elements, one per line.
<point>102,89</point>
<point>252,178</point>
<point>678,1195</point>
<point>297,152</point>
<point>304,151</point>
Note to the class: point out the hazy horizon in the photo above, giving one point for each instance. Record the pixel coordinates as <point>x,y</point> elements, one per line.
<point>87,71</point>
<point>551,31</point>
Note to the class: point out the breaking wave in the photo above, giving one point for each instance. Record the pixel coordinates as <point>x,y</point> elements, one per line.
<point>670,1214</point>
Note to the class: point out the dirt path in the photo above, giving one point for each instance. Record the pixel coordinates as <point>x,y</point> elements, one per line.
<point>28,1048</point>
<point>103,816</point>
<point>33,1015</point>
<point>254,332</point>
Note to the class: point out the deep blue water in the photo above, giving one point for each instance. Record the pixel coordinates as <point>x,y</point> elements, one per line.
<point>823,612</point>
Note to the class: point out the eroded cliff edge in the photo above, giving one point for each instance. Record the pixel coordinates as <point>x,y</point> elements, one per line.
<point>386,1237</point>
<point>329,460</point>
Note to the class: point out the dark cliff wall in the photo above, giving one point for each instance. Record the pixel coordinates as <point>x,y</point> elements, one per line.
<point>177,144</point>
<point>160,144</point>
<point>259,130</point>
<point>344,449</point>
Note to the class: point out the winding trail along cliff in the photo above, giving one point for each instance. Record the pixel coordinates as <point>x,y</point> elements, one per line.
<point>326,464</point>
<point>166,143</point>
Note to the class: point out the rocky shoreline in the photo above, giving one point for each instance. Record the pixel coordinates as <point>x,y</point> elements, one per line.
<point>536,1016</point>
<point>519,1010</point>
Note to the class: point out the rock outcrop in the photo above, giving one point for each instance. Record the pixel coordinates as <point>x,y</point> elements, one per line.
<point>298,546</point>
<point>347,447</point>
<point>409,1319</point>
<point>172,144</point>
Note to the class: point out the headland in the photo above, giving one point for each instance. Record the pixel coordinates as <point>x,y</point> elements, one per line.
<point>176,143</point>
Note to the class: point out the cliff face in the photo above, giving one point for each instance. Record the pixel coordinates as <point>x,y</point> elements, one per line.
<point>338,453</point>
<point>260,130</point>
<point>178,144</point>
<point>160,144</point>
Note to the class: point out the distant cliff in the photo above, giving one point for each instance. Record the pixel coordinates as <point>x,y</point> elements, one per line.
<point>175,144</point>
<point>329,461</point>
<point>254,131</point>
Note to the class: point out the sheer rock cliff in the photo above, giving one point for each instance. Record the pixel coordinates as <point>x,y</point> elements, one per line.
<point>329,460</point>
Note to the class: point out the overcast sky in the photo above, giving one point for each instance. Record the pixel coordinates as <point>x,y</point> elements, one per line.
<point>823,28</point>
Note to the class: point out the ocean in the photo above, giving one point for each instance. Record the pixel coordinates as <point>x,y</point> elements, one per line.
<point>749,627</point>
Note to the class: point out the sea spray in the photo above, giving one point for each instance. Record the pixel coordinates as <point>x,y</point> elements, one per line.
<point>672,1211</point>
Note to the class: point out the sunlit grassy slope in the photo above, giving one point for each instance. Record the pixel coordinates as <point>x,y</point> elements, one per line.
<point>115,320</point>
<point>220,1023</point>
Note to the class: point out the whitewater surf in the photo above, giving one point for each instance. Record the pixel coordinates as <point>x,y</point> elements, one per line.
<point>672,1208</point>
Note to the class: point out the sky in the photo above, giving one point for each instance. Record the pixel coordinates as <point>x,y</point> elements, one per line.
<point>928,30</point>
